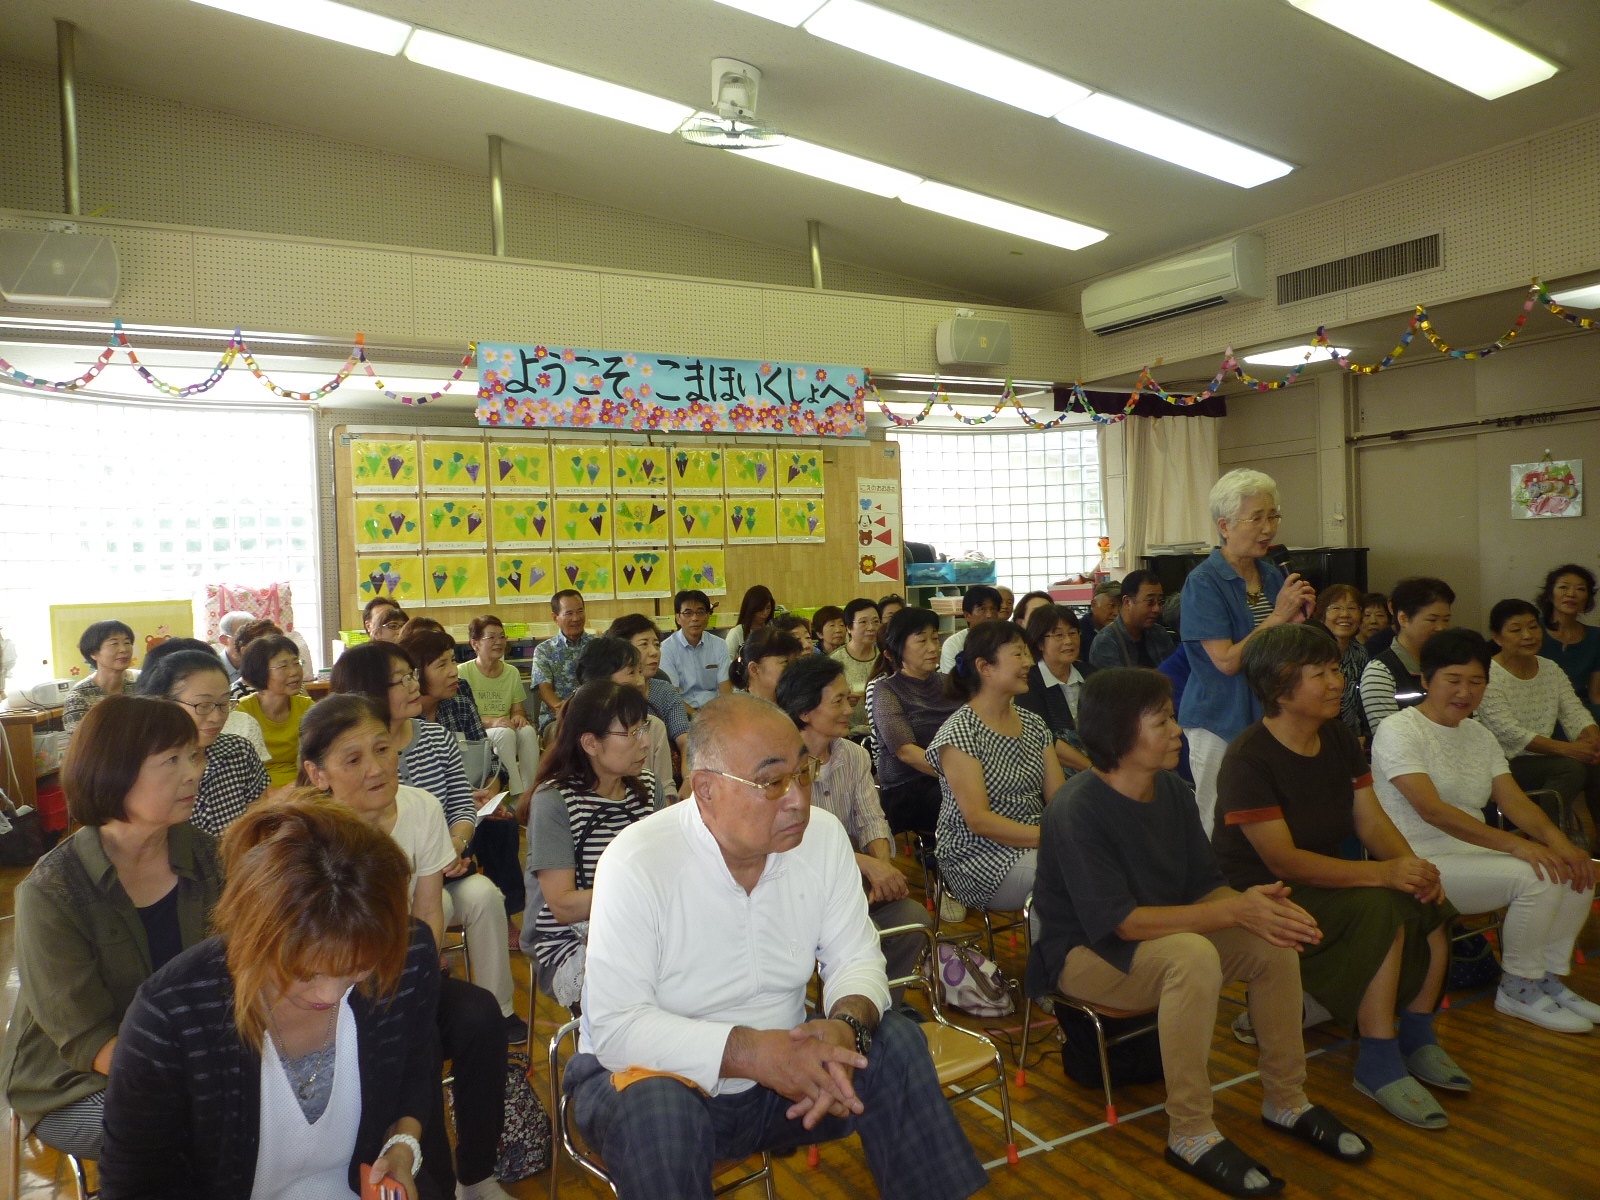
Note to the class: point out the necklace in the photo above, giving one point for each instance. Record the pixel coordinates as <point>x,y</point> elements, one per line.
<point>320,1058</point>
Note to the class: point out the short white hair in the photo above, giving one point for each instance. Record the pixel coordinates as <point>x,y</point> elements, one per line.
<point>233,622</point>
<point>1230,492</point>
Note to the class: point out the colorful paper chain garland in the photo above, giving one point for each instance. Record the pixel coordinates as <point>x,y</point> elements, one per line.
<point>1077,402</point>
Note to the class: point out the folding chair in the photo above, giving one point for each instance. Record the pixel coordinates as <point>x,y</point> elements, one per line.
<point>80,1173</point>
<point>567,1137</point>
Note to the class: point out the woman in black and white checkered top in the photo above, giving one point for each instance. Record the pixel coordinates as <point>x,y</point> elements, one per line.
<point>996,768</point>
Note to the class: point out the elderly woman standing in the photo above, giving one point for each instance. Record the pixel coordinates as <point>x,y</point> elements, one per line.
<point>1339,611</point>
<point>1226,599</point>
<point>131,889</point>
<point>107,646</point>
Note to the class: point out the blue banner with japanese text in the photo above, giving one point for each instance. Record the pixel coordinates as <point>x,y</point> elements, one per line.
<point>560,387</point>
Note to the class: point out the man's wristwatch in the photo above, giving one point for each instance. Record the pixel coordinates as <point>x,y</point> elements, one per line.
<point>863,1034</point>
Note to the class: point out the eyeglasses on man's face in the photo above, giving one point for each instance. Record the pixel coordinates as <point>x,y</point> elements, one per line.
<point>776,789</point>
<point>394,623</point>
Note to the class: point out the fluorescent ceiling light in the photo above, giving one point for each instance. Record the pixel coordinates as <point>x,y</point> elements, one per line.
<point>1002,215</point>
<point>324,18</point>
<point>1162,137</point>
<point>785,12</point>
<point>1429,35</point>
<point>834,166</point>
<point>1584,297</point>
<point>943,56</point>
<point>1294,356</point>
<point>544,82</point>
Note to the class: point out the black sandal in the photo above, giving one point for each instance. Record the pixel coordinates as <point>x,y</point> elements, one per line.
<point>1321,1128</point>
<point>1224,1167</point>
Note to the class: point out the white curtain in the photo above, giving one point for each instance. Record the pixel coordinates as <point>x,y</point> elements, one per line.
<point>1171,465</point>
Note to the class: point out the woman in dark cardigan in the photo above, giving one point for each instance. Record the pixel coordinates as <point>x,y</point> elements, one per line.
<point>326,1064</point>
<point>1056,641</point>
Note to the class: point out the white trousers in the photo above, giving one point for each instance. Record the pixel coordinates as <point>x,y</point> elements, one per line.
<point>480,909</point>
<point>518,752</point>
<point>1543,919</point>
<point>1205,760</point>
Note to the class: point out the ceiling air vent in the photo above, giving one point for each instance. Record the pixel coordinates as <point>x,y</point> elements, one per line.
<point>1370,266</point>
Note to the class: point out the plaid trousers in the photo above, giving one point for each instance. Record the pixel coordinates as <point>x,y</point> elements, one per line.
<point>660,1138</point>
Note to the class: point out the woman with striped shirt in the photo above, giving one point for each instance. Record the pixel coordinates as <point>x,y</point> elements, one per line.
<point>591,785</point>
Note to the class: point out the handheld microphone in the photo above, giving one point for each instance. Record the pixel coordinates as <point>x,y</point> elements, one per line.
<point>1279,554</point>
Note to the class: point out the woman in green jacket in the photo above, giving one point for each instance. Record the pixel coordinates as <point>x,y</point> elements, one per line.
<point>104,910</point>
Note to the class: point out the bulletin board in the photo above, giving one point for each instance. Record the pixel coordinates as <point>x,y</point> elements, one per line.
<point>454,522</point>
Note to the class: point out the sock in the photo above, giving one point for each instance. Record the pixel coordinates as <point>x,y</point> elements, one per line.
<point>1191,1149</point>
<point>1416,1031</point>
<point>1379,1063</point>
<point>1516,987</point>
<point>1552,984</point>
<point>1349,1143</point>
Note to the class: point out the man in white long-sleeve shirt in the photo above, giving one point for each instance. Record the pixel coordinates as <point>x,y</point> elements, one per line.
<point>706,923</point>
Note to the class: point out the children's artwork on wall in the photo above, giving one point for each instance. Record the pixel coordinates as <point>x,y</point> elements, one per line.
<point>587,570</point>
<point>699,521</point>
<point>391,524</point>
<point>752,520</point>
<point>524,522</point>
<point>383,465</point>
<point>877,530</point>
<point>643,574</point>
<point>152,622</point>
<point>583,522</point>
<point>640,521</point>
<point>1547,489</point>
<point>704,569</point>
<point>518,467</point>
<point>452,466</point>
<point>639,468</point>
<point>801,520</point>
<point>799,471</point>
<point>456,579</point>
<point>524,576</point>
<point>749,469</point>
<point>455,524</point>
<point>697,470</point>
<point>580,468</point>
<point>396,577</point>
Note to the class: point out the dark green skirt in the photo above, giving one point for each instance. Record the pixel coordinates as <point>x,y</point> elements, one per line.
<point>1358,927</point>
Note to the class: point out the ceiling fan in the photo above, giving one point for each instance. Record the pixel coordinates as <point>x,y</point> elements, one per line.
<point>733,125</point>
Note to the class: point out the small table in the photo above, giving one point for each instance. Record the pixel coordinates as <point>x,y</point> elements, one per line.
<point>20,727</point>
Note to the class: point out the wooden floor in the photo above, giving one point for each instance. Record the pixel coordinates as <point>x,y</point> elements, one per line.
<point>1530,1130</point>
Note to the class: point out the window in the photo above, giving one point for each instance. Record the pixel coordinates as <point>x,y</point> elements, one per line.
<point>1030,499</point>
<point>118,501</point>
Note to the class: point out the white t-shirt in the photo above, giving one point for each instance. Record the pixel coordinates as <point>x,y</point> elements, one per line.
<point>420,831</point>
<point>1462,762</point>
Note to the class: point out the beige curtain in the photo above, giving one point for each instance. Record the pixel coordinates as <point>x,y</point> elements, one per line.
<point>1171,465</point>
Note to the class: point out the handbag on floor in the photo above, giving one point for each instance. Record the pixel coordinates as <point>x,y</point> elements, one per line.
<point>525,1136</point>
<point>1137,1060</point>
<point>1472,964</point>
<point>973,984</point>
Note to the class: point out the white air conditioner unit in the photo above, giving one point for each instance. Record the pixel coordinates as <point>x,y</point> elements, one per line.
<point>62,269</point>
<point>972,341</point>
<point>1204,278</point>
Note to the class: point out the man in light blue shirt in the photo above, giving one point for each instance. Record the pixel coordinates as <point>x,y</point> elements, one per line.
<point>697,664</point>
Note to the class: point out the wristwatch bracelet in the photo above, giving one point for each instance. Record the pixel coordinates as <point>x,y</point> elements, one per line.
<point>411,1143</point>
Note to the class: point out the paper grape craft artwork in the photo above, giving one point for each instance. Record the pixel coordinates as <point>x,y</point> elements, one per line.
<point>383,465</point>
<point>455,524</point>
<point>699,521</point>
<point>394,577</point>
<point>641,521</point>
<point>525,521</point>
<point>390,524</point>
<point>702,569</point>
<point>639,468</point>
<point>580,468</point>
<point>456,579</point>
<point>516,467</point>
<point>801,520</point>
<point>452,466</point>
<point>524,576</point>
<point>583,522</point>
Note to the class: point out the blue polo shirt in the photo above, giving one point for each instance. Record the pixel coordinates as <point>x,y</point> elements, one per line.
<point>697,670</point>
<point>1214,608</point>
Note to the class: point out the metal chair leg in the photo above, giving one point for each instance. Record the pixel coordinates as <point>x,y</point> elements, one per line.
<point>1105,1067</point>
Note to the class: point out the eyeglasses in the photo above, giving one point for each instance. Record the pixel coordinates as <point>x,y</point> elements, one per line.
<point>292,664</point>
<point>206,707</point>
<point>400,624</point>
<point>1271,518</point>
<point>638,733</point>
<point>776,789</point>
<point>694,612</point>
<point>406,680</point>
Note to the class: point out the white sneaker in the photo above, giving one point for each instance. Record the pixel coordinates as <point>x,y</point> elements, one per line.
<point>1571,1001</point>
<point>1544,1012</point>
<point>951,909</point>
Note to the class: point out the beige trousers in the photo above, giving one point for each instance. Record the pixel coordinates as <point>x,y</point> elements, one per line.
<point>1180,976</point>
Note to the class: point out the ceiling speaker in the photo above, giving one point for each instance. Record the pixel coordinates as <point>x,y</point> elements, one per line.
<point>76,270</point>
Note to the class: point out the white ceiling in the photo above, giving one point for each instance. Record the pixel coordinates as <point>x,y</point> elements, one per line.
<point>1257,71</point>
